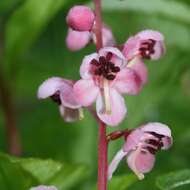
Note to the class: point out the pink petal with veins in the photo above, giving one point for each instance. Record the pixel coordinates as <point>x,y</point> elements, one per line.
<point>118,108</point>
<point>85,92</point>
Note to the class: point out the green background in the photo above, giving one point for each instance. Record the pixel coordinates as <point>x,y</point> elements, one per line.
<point>33,41</point>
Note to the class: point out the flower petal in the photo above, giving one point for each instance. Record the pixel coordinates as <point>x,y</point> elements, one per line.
<point>140,162</point>
<point>150,34</point>
<point>85,67</point>
<point>115,162</point>
<point>107,37</point>
<point>127,81</point>
<point>160,129</point>
<point>118,108</point>
<point>141,70</point>
<point>115,51</point>
<point>131,47</point>
<point>69,115</point>
<point>85,92</point>
<point>67,95</point>
<point>77,40</point>
<point>133,140</point>
<point>49,87</point>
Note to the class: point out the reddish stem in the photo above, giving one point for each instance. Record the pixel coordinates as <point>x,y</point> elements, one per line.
<point>102,157</point>
<point>102,145</point>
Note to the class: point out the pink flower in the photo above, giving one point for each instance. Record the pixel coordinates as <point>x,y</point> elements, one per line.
<point>42,187</point>
<point>80,18</point>
<point>61,91</point>
<point>140,148</point>
<point>147,44</point>
<point>104,78</point>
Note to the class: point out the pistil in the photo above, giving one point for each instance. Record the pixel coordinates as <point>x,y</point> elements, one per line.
<point>107,101</point>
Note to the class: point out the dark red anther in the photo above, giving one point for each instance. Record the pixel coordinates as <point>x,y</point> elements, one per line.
<point>115,69</point>
<point>109,56</point>
<point>102,60</point>
<point>151,149</point>
<point>110,77</point>
<point>95,62</point>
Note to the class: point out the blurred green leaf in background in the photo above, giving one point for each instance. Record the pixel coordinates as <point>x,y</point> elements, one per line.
<point>32,34</point>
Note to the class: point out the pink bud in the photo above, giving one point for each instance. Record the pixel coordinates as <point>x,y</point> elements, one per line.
<point>77,40</point>
<point>80,18</point>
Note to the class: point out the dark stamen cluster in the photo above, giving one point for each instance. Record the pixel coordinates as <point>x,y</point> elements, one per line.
<point>158,144</point>
<point>56,98</point>
<point>104,67</point>
<point>147,48</point>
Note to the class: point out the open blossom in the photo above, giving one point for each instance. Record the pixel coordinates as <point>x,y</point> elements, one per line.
<point>104,78</point>
<point>140,148</point>
<point>147,44</point>
<point>61,91</point>
<point>81,22</point>
<point>43,187</point>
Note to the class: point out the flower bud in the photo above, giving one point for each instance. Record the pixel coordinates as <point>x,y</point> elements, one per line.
<point>77,40</point>
<point>80,18</point>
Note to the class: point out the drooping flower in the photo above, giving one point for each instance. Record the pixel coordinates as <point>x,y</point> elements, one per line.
<point>43,187</point>
<point>81,22</point>
<point>104,78</point>
<point>147,44</point>
<point>61,91</point>
<point>140,148</point>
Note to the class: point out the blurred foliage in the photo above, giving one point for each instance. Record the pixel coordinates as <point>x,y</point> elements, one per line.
<point>174,179</point>
<point>34,49</point>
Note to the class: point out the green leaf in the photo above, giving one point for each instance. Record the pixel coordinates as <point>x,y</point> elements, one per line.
<point>63,176</point>
<point>69,176</point>
<point>122,182</point>
<point>12,176</point>
<point>171,9</point>
<point>173,180</point>
<point>26,24</point>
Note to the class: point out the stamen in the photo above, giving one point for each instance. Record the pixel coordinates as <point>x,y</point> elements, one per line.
<point>107,97</point>
<point>109,56</point>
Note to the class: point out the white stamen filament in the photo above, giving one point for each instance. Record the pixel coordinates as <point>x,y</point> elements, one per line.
<point>132,62</point>
<point>81,113</point>
<point>107,108</point>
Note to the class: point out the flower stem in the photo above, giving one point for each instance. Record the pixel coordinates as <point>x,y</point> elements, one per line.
<point>102,158</point>
<point>102,144</point>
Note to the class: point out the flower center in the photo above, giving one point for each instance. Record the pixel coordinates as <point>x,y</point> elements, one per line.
<point>56,98</point>
<point>104,67</point>
<point>147,48</point>
<point>152,145</point>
